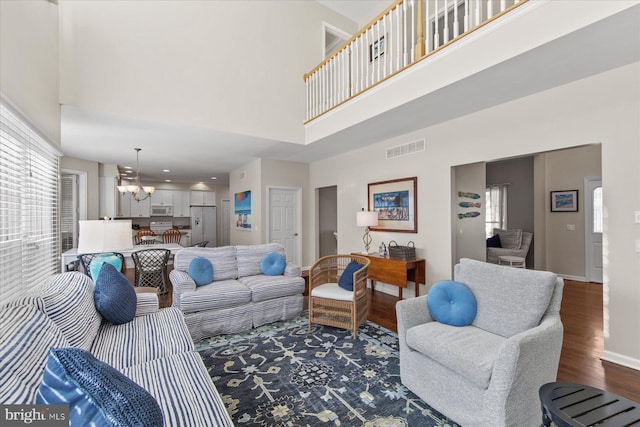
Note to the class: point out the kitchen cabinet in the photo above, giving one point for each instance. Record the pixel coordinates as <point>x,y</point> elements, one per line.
<point>123,210</point>
<point>181,204</point>
<point>162,198</point>
<point>141,209</point>
<point>203,198</point>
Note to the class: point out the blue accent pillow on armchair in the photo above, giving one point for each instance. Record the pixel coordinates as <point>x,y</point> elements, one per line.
<point>452,303</point>
<point>273,264</point>
<point>201,271</point>
<point>494,241</point>
<point>346,279</point>
<point>97,394</point>
<point>114,296</point>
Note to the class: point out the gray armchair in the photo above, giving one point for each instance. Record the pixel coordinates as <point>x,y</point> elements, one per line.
<point>487,373</point>
<point>521,250</point>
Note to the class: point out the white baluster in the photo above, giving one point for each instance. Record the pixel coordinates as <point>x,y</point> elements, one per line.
<point>405,54</point>
<point>466,15</point>
<point>502,5</point>
<point>436,36</point>
<point>427,29</point>
<point>398,37</point>
<point>489,9</point>
<point>386,41</point>
<point>456,25</point>
<point>413,31</point>
<point>478,11</point>
<point>445,17</point>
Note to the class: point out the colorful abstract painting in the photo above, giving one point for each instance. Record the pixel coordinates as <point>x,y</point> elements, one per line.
<point>242,210</point>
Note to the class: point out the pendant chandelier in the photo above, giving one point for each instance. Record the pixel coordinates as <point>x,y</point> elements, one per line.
<point>134,189</point>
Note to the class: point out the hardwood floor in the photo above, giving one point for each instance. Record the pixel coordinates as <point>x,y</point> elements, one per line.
<point>581,314</point>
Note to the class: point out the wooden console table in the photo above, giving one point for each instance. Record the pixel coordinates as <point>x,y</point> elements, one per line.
<point>395,271</point>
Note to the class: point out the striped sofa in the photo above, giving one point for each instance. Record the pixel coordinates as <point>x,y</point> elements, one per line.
<point>154,350</point>
<point>240,296</point>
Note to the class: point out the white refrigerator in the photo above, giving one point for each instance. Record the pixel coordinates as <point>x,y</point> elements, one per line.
<point>203,225</point>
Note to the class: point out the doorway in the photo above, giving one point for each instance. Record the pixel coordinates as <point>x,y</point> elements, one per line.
<point>284,221</point>
<point>327,221</point>
<point>593,229</point>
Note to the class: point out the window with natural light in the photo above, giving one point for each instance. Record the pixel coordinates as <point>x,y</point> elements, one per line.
<point>29,244</point>
<point>496,208</point>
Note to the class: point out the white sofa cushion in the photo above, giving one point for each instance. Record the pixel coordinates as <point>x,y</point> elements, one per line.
<point>510,300</point>
<point>223,260</point>
<point>264,288</point>
<point>183,389</point>
<point>467,350</point>
<point>249,257</point>
<point>332,291</point>
<point>145,338</point>
<point>68,299</point>
<point>25,337</point>
<point>224,294</point>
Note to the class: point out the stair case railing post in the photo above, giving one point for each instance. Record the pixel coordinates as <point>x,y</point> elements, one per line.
<point>419,49</point>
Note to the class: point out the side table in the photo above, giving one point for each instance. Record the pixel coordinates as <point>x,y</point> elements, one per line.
<point>512,261</point>
<point>577,405</point>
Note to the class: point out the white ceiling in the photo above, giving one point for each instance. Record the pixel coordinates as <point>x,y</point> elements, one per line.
<point>108,138</point>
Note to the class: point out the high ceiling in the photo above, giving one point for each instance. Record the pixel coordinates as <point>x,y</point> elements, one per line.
<point>108,138</point>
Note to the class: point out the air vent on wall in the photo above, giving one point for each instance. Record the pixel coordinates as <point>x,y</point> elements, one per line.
<point>406,149</point>
<point>243,174</point>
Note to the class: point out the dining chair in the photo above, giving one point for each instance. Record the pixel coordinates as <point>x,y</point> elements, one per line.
<point>85,261</point>
<point>171,236</point>
<point>329,302</point>
<point>141,237</point>
<point>151,268</point>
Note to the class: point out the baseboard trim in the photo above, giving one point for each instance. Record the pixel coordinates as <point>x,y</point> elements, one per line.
<point>621,359</point>
<point>574,278</point>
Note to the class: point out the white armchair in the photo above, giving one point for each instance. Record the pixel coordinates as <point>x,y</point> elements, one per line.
<point>487,373</point>
<point>509,249</point>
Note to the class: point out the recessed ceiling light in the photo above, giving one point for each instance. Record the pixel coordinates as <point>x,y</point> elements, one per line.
<point>167,180</point>
<point>213,177</point>
<point>166,170</point>
<point>128,167</point>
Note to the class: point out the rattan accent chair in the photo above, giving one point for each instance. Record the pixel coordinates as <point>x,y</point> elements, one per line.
<point>85,260</point>
<point>171,236</point>
<point>331,305</point>
<point>151,268</point>
<point>143,233</point>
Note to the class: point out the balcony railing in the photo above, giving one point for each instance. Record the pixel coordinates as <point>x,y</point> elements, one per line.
<point>405,33</point>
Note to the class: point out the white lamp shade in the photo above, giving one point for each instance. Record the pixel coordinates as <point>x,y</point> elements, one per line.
<point>104,236</point>
<point>366,219</point>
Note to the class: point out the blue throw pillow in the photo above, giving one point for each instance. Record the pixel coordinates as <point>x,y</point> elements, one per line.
<point>452,303</point>
<point>201,271</point>
<point>97,394</point>
<point>96,264</point>
<point>346,279</point>
<point>494,241</point>
<point>114,296</point>
<point>273,264</point>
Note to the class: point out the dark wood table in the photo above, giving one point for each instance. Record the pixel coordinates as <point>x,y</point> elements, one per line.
<point>577,405</point>
<point>395,271</point>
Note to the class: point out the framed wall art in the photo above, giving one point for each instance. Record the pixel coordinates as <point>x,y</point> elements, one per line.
<point>242,210</point>
<point>564,201</point>
<point>396,203</point>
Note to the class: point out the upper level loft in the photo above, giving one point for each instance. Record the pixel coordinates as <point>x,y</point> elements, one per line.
<point>421,62</point>
<point>406,32</point>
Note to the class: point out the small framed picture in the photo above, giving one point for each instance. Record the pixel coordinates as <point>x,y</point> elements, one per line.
<point>564,201</point>
<point>376,49</point>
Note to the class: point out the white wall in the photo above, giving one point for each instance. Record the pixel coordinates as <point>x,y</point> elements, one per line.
<point>179,61</point>
<point>600,109</point>
<point>29,63</point>
<point>248,177</point>
<point>93,185</point>
<point>470,232</point>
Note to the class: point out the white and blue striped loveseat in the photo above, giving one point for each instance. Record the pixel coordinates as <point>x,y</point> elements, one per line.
<point>240,296</point>
<point>154,349</point>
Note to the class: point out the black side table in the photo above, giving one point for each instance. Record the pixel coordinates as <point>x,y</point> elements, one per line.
<point>577,405</point>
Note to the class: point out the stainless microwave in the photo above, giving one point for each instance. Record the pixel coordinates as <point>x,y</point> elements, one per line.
<point>162,210</point>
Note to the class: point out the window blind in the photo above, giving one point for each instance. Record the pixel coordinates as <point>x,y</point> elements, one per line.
<point>29,170</point>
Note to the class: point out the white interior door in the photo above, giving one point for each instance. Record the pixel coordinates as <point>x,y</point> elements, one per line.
<point>284,221</point>
<point>593,228</point>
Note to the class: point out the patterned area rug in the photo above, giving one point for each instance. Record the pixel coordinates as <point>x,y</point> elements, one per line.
<point>285,375</point>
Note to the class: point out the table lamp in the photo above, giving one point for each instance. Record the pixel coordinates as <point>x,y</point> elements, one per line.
<point>104,238</point>
<point>366,219</point>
